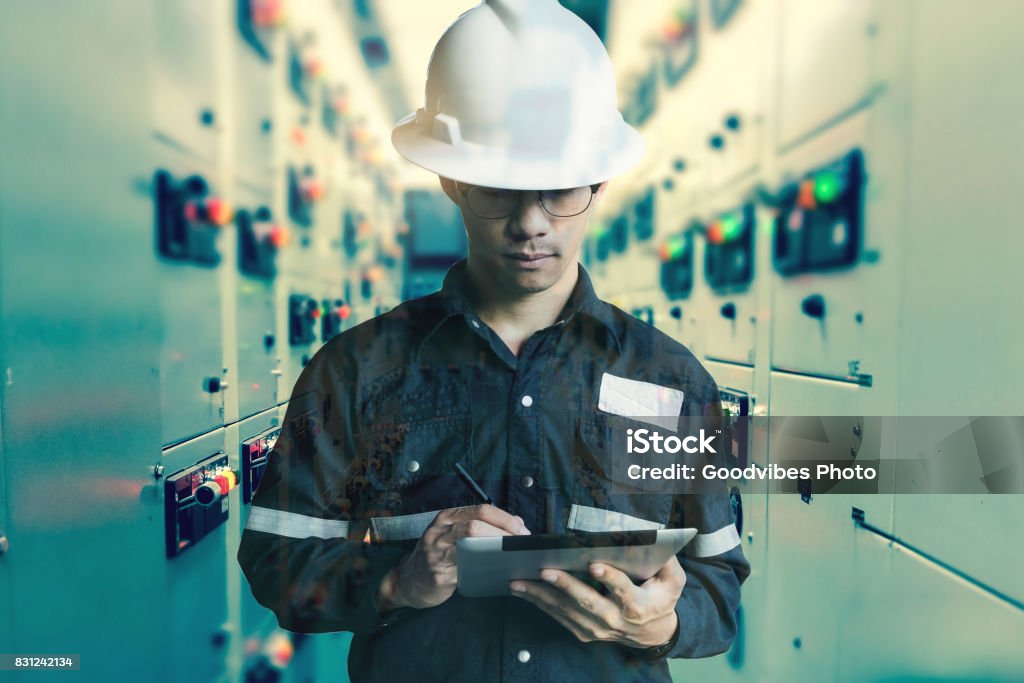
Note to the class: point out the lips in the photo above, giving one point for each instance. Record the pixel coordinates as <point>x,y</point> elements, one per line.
<point>519,256</point>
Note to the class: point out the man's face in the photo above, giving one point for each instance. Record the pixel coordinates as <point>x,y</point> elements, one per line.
<point>526,252</point>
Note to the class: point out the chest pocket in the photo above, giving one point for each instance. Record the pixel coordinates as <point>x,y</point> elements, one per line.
<point>408,466</point>
<point>605,497</point>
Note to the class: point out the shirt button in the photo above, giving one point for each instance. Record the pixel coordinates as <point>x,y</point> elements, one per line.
<point>523,656</point>
<point>526,482</point>
<point>412,466</point>
<point>527,400</point>
<point>475,324</point>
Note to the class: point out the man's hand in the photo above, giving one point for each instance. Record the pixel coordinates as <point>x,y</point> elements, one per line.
<point>637,616</point>
<point>426,577</point>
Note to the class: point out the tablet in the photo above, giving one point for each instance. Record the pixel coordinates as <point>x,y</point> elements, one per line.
<point>487,564</point>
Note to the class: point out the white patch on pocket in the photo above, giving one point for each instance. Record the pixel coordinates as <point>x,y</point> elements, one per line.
<point>583,518</point>
<point>660,405</point>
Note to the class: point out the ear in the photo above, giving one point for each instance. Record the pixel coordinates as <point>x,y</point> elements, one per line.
<point>600,190</point>
<point>448,185</point>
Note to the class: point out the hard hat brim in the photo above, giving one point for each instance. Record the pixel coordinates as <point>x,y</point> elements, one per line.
<point>617,151</point>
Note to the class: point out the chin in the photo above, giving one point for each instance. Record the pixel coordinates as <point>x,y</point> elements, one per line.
<point>531,283</point>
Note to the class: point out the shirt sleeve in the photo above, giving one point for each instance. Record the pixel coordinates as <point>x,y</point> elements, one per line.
<point>301,553</point>
<point>713,561</point>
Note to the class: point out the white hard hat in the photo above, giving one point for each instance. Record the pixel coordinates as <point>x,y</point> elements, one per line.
<point>520,95</point>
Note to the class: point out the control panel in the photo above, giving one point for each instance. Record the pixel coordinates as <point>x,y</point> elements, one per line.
<point>618,234</point>
<point>722,10</point>
<point>729,256</point>
<point>334,109</point>
<point>259,239</point>
<point>195,502</point>
<point>253,458</point>
<point>679,40</point>
<point>257,22</point>
<point>602,249</point>
<point>304,190</point>
<point>819,224</point>
<point>350,232</point>
<point>676,255</point>
<point>188,218</point>
<point>736,407</point>
<point>304,67</point>
<point>303,312</point>
<point>643,216</point>
<point>335,314</point>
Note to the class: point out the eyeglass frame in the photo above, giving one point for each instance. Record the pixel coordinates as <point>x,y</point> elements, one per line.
<point>519,193</point>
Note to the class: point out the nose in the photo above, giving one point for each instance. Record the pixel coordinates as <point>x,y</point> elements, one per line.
<point>530,219</point>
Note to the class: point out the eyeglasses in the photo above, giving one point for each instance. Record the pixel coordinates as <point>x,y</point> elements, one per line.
<point>492,203</point>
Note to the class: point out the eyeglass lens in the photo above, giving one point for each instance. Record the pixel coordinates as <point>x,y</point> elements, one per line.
<point>489,202</point>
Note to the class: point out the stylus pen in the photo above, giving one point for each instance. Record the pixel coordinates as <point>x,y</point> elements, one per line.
<point>471,483</point>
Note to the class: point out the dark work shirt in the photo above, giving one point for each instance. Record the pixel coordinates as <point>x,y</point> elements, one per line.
<point>376,423</point>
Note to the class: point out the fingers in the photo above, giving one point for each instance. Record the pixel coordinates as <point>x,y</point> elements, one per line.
<point>671,574</point>
<point>582,635</point>
<point>619,585</point>
<point>563,609</point>
<point>496,517</point>
<point>470,528</point>
<point>567,591</point>
<point>650,600</point>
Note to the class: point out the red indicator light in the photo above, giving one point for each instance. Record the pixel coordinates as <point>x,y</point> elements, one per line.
<point>298,136</point>
<point>213,210</point>
<point>314,67</point>
<point>267,13</point>
<point>218,211</point>
<point>278,236</point>
<point>279,648</point>
<point>806,199</point>
<point>715,234</point>
<point>222,482</point>
<point>312,189</point>
<point>344,311</point>
<point>677,27</point>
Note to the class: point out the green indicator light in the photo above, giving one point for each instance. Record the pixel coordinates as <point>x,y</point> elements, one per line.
<point>732,226</point>
<point>599,230</point>
<point>826,187</point>
<point>676,248</point>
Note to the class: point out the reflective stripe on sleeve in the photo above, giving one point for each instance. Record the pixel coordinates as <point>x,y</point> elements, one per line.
<point>715,543</point>
<point>294,525</point>
<point>403,527</point>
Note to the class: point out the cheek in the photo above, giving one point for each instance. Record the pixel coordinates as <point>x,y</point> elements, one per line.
<point>573,236</point>
<point>483,238</point>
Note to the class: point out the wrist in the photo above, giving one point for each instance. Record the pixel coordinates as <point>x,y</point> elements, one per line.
<point>665,629</point>
<point>666,638</point>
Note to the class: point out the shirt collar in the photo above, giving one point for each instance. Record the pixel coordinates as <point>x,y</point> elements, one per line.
<point>454,300</point>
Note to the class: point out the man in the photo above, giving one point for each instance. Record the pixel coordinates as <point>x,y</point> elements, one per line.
<point>514,370</point>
